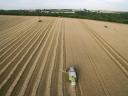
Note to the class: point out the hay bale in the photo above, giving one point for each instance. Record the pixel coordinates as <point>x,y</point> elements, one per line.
<point>39,20</point>
<point>106,26</point>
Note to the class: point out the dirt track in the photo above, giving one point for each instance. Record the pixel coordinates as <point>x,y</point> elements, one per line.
<point>34,57</point>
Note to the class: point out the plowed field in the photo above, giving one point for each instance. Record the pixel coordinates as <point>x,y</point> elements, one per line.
<point>34,57</point>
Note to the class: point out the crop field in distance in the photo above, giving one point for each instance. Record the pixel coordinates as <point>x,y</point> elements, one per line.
<point>34,56</point>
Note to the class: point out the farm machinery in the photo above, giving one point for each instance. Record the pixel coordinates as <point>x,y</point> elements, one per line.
<point>72,75</point>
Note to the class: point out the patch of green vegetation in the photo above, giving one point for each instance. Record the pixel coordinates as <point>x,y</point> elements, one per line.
<point>121,17</point>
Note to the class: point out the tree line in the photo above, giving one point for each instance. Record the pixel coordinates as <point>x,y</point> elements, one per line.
<point>120,17</point>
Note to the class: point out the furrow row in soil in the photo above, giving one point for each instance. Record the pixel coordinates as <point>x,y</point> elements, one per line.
<point>23,56</point>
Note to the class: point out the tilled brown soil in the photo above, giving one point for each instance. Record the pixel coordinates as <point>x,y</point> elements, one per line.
<point>34,57</point>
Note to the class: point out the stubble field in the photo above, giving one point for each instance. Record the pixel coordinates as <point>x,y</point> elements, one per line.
<point>35,55</point>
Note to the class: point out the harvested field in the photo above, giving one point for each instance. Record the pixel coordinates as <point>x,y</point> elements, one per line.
<point>35,55</point>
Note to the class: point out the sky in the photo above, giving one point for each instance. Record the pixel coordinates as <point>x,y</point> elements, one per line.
<point>115,5</point>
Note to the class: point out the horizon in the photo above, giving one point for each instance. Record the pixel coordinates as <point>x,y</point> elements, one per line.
<point>71,9</point>
<point>110,5</point>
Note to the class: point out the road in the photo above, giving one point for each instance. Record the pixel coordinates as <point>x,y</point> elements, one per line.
<point>35,55</point>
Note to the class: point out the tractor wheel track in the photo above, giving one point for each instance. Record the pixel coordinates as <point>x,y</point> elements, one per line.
<point>11,33</point>
<point>77,89</point>
<point>34,68</point>
<point>36,83</point>
<point>100,77</point>
<point>20,33</point>
<point>30,72</point>
<point>15,32</point>
<point>11,22</point>
<point>60,79</point>
<point>12,30</point>
<point>12,36</point>
<point>53,50</point>
<point>64,65</point>
<point>23,73</point>
<point>45,64</point>
<point>11,50</point>
<point>14,59</point>
<point>8,24</point>
<point>116,57</point>
<point>21,60</point>
<point>55,73</point>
